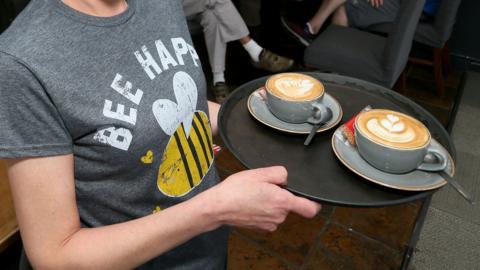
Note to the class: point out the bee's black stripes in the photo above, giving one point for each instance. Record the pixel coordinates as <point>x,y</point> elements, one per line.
<point>184,159</point>
<point>195,156</point>
<point>209,144</point>
<point>202,143</point>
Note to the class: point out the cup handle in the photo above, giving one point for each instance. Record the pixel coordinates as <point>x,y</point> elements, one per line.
<point>440,165</point>
<point>320,114</point>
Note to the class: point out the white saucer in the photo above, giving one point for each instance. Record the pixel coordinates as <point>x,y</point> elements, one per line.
<point>412,181</point>
<point>259,110</point>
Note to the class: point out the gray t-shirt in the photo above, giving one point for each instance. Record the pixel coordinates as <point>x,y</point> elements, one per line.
<point>127,96</point>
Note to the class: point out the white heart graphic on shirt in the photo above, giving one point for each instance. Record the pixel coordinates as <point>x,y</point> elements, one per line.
<point>169,114</point>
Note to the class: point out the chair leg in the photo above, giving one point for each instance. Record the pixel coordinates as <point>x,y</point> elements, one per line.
<point>437,68</point>
<point>446,59</point>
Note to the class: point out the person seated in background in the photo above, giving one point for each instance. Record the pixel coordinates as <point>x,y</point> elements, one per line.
<point>352,13</point>
<point>222,23</point>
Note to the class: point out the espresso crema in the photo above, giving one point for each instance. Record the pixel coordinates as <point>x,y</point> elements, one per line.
<point>294,86</point>
<point>392,129</point>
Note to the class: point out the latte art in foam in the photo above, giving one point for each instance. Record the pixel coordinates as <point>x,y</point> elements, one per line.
<point>294,86</point>
<point>393,129</point>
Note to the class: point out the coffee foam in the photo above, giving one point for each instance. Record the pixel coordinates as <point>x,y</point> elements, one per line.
<point>393,129</point>
<point>294,86</point>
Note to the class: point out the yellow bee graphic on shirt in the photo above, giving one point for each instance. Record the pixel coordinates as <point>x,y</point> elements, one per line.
<point>189,154</point>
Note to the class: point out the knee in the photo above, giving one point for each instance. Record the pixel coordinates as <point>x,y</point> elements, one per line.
<point>339,17</point>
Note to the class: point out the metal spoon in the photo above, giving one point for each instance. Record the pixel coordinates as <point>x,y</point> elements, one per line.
<point>454,183</point>
<point>317,123</point>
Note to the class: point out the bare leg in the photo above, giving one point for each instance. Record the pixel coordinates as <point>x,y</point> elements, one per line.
<point>245,39</point>
<point>340,17</point>
<point>326,9</point>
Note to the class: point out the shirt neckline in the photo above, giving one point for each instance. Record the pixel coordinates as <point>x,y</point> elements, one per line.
<point>95,20</point>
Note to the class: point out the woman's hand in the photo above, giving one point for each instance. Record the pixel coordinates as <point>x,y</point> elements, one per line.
<point>254,199</point>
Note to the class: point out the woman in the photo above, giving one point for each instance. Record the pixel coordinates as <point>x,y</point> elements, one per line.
<point>108,144</point>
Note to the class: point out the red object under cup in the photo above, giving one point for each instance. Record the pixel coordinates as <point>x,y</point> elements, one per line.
<point>348,129</point>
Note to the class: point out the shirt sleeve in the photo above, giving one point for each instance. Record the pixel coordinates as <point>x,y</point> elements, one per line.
<point>30,124</point>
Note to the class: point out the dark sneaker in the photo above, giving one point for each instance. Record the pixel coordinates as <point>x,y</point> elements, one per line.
<point>273,62</point>
<point>220,90</point>
<point>299,31</point>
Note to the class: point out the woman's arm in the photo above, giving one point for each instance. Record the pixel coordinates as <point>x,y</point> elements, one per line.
<point>44,196</point>
<point>213,109</point>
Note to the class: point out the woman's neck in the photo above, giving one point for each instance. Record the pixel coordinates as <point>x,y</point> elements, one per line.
<point>99,8</point>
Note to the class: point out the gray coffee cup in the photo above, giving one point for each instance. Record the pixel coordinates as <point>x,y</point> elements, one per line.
<point>297,111</point>
<point>399,161</point>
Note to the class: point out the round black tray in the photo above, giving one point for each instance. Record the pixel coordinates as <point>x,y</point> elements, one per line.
<point>314,171</point>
